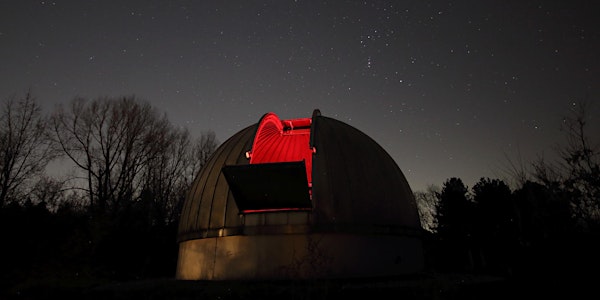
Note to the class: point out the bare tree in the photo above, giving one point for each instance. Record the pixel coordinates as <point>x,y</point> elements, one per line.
<point>581,163</point>
<point>164,177</point>
<point>515,171</point>
<point>169,175</point>
<point>111,141</point>
<point>49,191</point>
<point>197,155</point>
<point>578,169</point>
<point>202,150</point>
<point>25,148</point>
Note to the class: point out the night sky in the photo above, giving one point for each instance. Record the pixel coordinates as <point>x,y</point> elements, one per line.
<point>448,88</point>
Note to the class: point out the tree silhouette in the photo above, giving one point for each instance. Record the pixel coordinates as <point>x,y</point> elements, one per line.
<point>495,227</point>
<point>117,217</point>
<point>122,147</point>
<point>581,161</point>
<point>577,171</point>
<point>25,149</point>
<point>455,222</point>
<point>110,140</point>
<point>202,150</point>
<point>49,191</point>
<point>454,210</point>
<point>164,177</point>
<point>544,220</point>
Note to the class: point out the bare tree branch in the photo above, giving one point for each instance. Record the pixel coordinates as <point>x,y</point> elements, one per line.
<point>25,149</point>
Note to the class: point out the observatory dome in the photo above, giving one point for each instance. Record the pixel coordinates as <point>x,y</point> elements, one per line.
<point>299,198</point>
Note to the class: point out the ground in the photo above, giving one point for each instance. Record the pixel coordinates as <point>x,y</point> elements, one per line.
<point>424,286</point>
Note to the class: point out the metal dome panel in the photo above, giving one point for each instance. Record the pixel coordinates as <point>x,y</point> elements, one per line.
<point>360,205</point>
<point>356,185</point>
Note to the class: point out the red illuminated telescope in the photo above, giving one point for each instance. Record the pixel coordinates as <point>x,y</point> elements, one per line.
<point>279,176</point>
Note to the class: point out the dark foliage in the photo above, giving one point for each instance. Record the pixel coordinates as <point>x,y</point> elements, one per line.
<point>529,233</point>
<point>455,227</point>
<point>495,226</point>
<point>70,246</point>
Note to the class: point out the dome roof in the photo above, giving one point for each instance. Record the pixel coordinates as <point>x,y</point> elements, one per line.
<point>351,182</point>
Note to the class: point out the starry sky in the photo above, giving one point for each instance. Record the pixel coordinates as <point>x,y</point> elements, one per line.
<point>447,88</point>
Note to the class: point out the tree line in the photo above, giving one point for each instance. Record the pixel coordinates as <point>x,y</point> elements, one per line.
<point>113,214</point>
<point>547,225</point>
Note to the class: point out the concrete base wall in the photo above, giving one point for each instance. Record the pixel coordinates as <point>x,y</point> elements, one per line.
<point>298,256</point>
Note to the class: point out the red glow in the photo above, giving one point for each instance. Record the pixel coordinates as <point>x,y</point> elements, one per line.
<point>283,141</point>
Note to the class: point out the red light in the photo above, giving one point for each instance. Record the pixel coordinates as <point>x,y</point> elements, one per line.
<point>279,140</point>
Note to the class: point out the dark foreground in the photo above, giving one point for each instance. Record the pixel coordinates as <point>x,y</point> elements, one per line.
<point>430,286</point>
